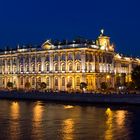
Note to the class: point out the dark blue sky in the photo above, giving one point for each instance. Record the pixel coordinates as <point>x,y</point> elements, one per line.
<point>33,21</point>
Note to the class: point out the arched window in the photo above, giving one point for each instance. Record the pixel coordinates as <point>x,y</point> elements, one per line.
<point>39,79</point>
<point>70,80</point>
<point>33,80</point>
<point>63,81</point>
<point>47,81</point>
<point>21,81</point>
<point>33,67</point>
<point>39,59</point>
<point>70,67</point>
<point>39,67</point>
<point>27,68</point>
<point>63,68</point>
<point>21,68</point>
<point>33,59</point>
<point>77,56</point>
<point>78,68</point>
<point>70,56</point>
<point>47,58</point>
<point>63,57</point>
<point>47,67</point>
<point>56,81</point>
<point>56,57</point>
<point>56,67</point>
<point>78,81</point>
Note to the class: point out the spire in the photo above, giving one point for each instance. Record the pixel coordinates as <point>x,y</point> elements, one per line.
<point>18,46</point>
<point>102,32</point>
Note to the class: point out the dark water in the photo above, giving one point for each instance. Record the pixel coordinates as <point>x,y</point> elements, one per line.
<point>50,121</point>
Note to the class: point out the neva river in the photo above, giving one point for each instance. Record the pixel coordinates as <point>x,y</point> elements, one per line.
<point>28,120</point>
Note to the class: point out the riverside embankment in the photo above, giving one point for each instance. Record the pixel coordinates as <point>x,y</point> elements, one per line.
<point>74,97</point>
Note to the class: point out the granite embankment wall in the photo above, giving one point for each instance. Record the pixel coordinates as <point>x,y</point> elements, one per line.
<point>76,98</point>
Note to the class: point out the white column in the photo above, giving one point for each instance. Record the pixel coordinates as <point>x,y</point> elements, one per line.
<point>51,62</point>
<point>83,60</point>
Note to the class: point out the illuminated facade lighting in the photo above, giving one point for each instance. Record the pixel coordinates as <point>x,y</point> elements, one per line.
<point>58,65</point>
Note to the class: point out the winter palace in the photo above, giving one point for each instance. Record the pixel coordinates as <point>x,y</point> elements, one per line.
<point>61,63</point>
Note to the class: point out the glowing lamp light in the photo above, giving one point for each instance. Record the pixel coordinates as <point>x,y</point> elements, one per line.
<point>102,47</point>
<point>108,76</point>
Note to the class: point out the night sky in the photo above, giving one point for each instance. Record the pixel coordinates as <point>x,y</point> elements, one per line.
<point>34,21</point>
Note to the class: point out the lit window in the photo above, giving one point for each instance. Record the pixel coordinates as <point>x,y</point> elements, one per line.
<point>63,81</point>
<point>21,68</point>
<point>78,81</point>
<point>33,81</point>
<point>70,80</point>
<point>27,68</point>
<point>63,67</point>
<point>56,67</point>
<point>78,67</point>
<point>39,67</point>
<point>47,81</point>
<point>47,67</point>
<point>33,67</point>
<point>70,67</point>
<point>39,79</point>
<point>21,80</point>
<point>56,81</point>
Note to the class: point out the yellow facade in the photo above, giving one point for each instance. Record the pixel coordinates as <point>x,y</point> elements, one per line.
<point>60,65</point>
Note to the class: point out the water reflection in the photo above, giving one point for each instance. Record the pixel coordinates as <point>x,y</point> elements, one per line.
<point>15,110</point>
<point>68,129</point>
<point>37,113</point>
<point>108,132</point>
<point>14,123</point>
<point>115,121</point>
<point>68,106</point>
<point>37,120</point>
<point>120,118</point>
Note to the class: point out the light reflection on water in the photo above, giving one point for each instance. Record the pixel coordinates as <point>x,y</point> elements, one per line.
<point>68,129</point>
<point>40,120</point>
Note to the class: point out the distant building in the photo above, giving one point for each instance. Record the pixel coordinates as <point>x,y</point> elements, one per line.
<point>64,63</point>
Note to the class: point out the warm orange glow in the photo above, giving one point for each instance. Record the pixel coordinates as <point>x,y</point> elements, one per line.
<point>108,76</point>
<point>15,110</point>
<point>14,125</point>
<point>68,129</point>
<point>68,106</point>
<point>37,112</point>
<point>108,132</point>
<point>120,117</point>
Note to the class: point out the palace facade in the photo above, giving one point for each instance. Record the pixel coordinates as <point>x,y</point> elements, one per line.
<point>60,64</point>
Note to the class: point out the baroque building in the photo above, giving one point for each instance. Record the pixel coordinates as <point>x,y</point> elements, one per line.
<point>60,64</point>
